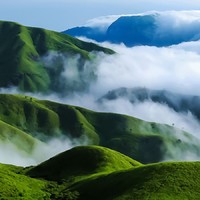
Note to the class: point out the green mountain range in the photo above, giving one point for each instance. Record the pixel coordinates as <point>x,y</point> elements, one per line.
<point>22,52</point>
<point>94,172</point>
<point>99,173</point>
<point>26,120</point>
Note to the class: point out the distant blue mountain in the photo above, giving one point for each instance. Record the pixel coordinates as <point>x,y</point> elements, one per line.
<point>151,29</point>
<point>136,30</point>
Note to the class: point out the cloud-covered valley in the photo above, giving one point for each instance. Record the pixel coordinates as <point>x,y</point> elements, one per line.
<point>173,69</point>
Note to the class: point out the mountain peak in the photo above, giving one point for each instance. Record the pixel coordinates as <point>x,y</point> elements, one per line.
<point>151,28</point>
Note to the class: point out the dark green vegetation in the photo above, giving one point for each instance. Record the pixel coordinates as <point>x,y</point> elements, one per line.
<point>22,51</point>
<point>32,120</point>
<point>99,173</point>
<point>15,185</point>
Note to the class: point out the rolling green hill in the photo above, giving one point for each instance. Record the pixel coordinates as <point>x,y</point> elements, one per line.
<point>81,162</point>
<point>104,174</point>
<point>21,52</point>
<point>144,141</point>
<point>158,181</point>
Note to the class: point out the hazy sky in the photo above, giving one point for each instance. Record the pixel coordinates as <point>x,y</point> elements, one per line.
<point>62,14</point>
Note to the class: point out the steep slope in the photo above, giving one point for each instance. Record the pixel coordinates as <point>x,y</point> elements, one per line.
<point>82,162</point>
<point>145,141</point>
<point>23,49</point>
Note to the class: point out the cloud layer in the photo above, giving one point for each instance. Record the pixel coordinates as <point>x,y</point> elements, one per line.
<point>174,68</point>
<point>11,154</point>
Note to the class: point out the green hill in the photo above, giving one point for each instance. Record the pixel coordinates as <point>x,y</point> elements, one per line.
<point>106,174</point>
<point>144,141</point>
<point>82,162</point>
<point>159,181</point>
<point>21,52</point>
<point>65,169</point>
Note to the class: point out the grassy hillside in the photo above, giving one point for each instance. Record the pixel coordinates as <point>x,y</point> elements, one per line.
<point>159,181</point>
<point>146,142</point>
<point>21,52</point>
<point>110,175</point>
<point>21,140</point>
<point>65,169</point>
<point>19,186</point>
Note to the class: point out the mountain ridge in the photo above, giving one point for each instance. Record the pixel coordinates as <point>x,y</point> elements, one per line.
<point>22,51</point>
<point>147,142</point>
<point>159,29</point>
<point>178,102</point>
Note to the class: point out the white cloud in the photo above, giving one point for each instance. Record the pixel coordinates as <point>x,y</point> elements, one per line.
<point>174,17</point>
<point>102,22</point>
<point>11,154</point>
<point>193,46</point>
<point>156,68</point>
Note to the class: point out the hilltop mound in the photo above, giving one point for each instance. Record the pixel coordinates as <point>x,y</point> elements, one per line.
<point>82,161</point>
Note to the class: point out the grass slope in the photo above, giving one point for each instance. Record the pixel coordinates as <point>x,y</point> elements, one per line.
<point>110,175</point>
<point>19,186</point>
<point>158,181</point>
<point>13,136</point>
<point>146,142</point>
<point>21,51</point>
